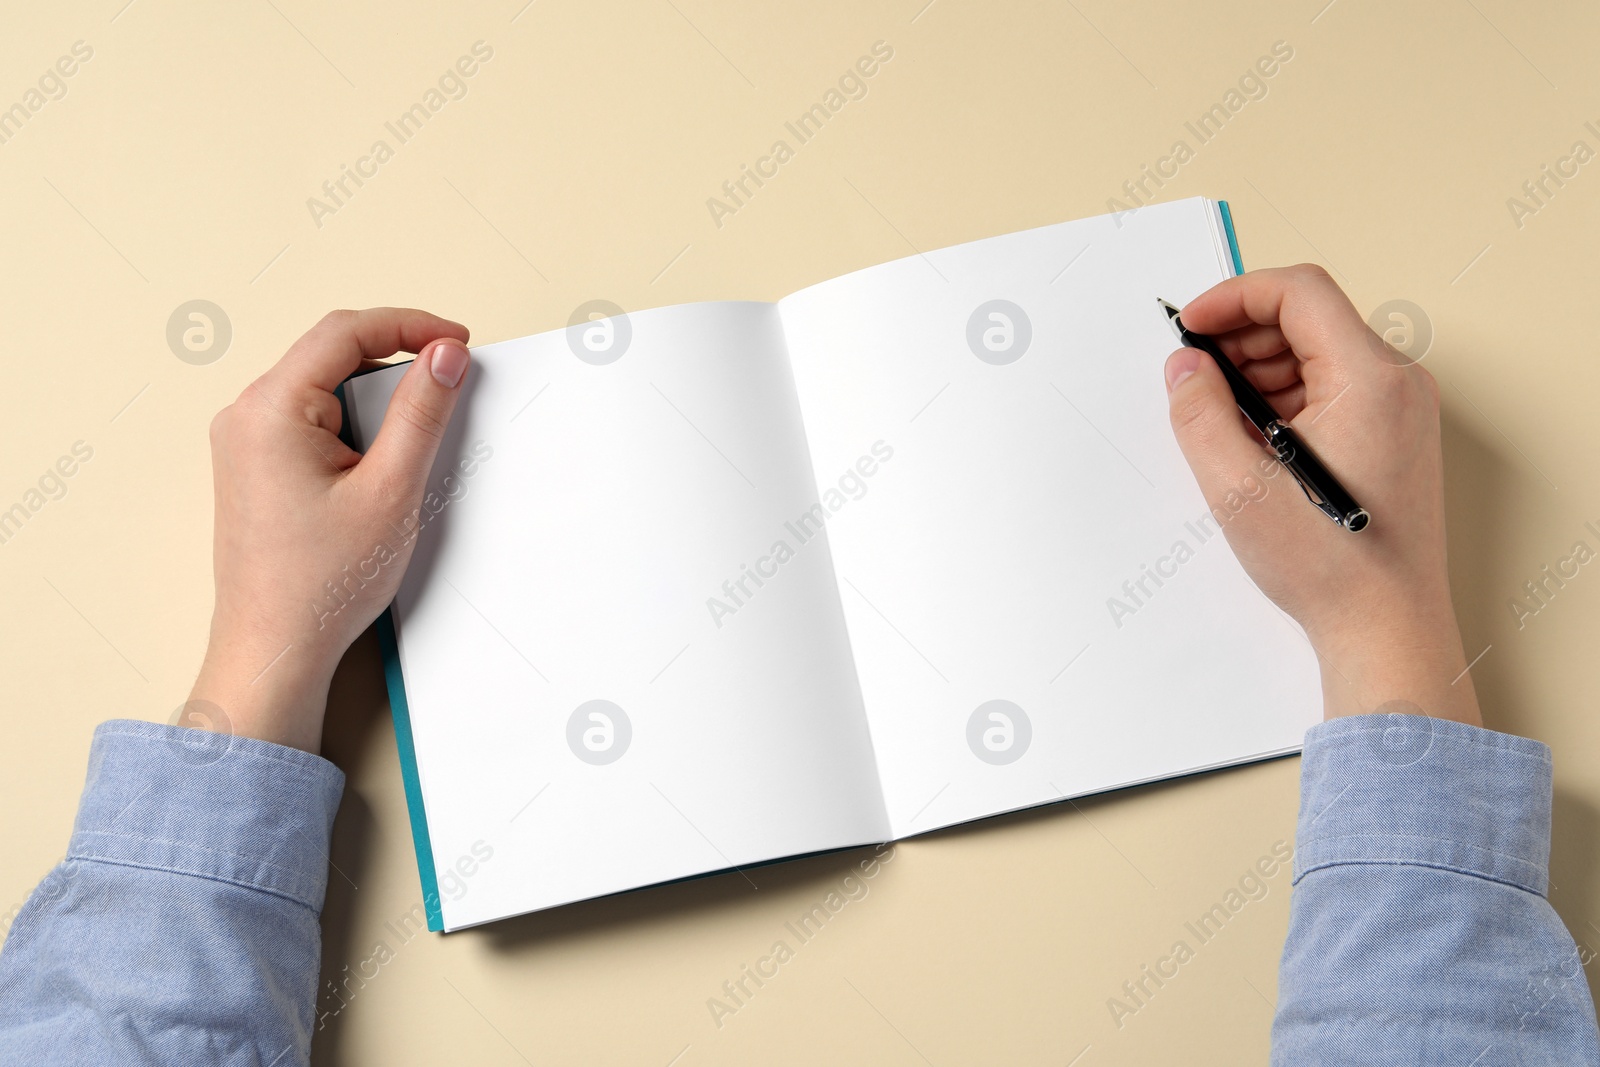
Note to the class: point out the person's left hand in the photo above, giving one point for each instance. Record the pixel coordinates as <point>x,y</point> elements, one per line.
<point>302,521</point>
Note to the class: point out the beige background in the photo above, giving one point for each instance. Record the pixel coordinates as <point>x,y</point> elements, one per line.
<point>178,166</point>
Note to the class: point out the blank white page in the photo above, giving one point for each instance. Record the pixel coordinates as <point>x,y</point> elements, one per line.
<point>1021,496</point>
<point>575,564</point>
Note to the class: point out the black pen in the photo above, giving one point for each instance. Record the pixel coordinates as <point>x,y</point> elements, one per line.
<point>1321,487</point>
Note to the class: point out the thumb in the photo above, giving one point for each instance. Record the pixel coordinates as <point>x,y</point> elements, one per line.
<point>418,414</point>
<point>1221,448</point>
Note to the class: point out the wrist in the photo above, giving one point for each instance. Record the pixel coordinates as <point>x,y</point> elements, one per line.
<point>278,696</point>
<point>1417,667</point>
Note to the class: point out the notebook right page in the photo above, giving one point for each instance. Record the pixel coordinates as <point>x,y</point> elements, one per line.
<point>1040,604</point>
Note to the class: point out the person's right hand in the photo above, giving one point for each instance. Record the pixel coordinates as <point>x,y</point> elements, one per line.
<point>1375,604</point>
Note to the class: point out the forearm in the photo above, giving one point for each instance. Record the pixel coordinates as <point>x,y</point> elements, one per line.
<point>183,925</point>
<point>1419,930</point>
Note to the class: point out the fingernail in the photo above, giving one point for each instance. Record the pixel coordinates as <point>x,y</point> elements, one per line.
<point>449,363</point>
<point>1180,365</point>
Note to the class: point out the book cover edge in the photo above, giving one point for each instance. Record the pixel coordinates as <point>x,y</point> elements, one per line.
<point>405,744</point>
<point>1233,238</point>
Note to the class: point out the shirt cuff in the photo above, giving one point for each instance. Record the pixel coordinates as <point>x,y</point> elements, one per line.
<point>234,809</point>
<point>1409,789</point>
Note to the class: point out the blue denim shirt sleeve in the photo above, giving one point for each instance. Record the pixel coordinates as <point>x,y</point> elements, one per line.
<point>1419,932</point>
<point>182,926</point>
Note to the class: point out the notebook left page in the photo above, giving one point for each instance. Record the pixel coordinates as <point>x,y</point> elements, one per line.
<point>582,724</point>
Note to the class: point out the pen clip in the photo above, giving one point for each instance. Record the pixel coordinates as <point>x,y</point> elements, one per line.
<point>1322,505</point>
<point>1284,450</point>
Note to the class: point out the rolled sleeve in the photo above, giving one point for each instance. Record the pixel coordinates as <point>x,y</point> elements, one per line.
<point>169,799</point>
<point>1407,789</point>
<point>1419,932</point>
<point>183,924</point>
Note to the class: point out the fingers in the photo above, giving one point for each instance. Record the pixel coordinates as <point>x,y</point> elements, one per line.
<point>1254,341</point>
<point>1270,375</point>
<point>1316,319</point>
<point>334,348</point>
<point>1288,403</point>
<point>419,412</point>
<point>1262,353</point>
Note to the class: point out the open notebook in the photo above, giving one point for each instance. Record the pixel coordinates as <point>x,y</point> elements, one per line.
<point>711,585</point>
